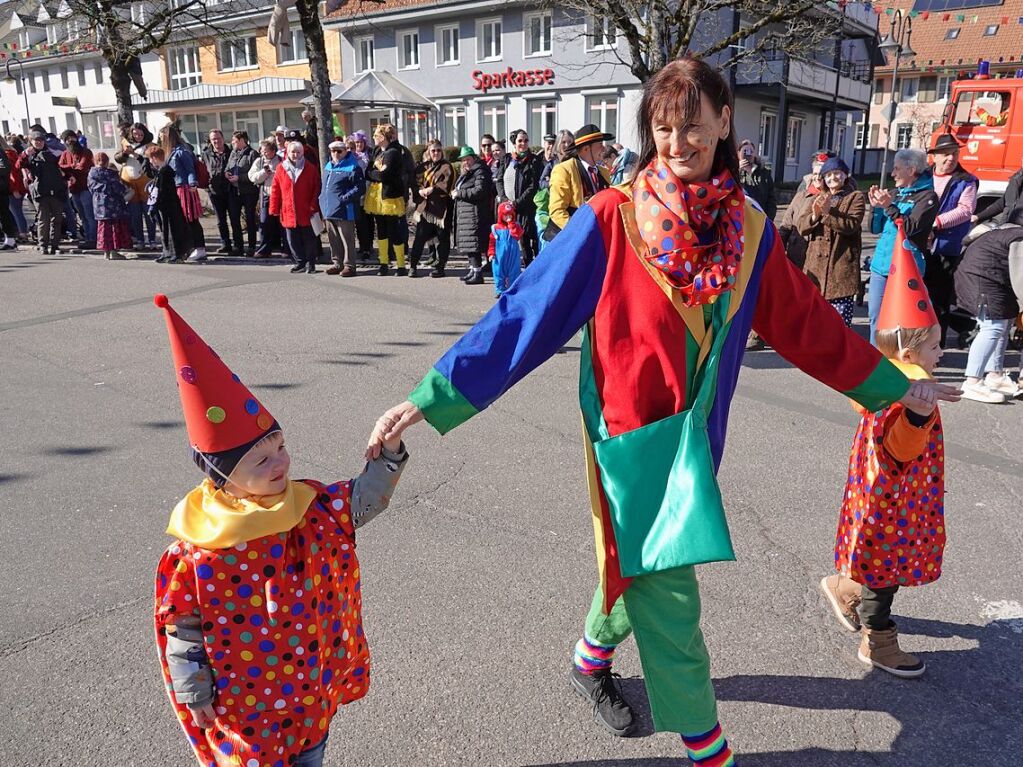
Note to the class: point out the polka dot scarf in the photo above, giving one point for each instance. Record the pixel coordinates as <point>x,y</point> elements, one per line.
<point>692,232</point>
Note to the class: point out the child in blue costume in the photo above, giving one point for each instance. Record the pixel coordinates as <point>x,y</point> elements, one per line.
<point>505,253</point>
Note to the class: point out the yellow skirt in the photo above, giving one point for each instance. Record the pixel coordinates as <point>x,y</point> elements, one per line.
<point>378,205</point>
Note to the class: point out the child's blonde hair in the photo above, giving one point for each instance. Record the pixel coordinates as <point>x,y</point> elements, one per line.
<point>912,339</point>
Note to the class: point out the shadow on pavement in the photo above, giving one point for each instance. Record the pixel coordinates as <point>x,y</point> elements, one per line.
<point>75,452</point>
<point>277,386</point>
<point>965,710</point>
<point>14,477</point>
<point>161,425</point>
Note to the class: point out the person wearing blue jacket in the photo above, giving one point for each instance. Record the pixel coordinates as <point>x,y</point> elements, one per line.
<point>914,201</point>
<point>344,184</point>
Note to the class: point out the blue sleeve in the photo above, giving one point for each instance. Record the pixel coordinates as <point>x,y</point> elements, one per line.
<point>184,167</point>
<point>552,299</point>
<point>877,220</point>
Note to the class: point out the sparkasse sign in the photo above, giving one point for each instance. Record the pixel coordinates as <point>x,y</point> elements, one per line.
<point>511,78</point>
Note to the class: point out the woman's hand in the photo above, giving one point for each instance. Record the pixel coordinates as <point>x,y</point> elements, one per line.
<point>389,428</point>
<point>880,198</point>
<point>204,716</point>
<point>923,396</point>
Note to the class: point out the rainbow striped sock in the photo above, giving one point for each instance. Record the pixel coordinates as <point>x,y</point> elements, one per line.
<point>709,749</point>
<point>591,657</point>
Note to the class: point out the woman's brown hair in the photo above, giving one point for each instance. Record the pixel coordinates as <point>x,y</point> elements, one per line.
<point>673,96</point>
<point>170,137</point>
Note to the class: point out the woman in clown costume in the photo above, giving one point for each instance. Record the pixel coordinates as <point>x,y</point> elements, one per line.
<point>665,277</point>
<point>258,602</point>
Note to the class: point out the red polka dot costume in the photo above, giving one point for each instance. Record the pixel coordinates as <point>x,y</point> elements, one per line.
<point>891,531</point>
<point>269,595</point>
<point>282,628</point>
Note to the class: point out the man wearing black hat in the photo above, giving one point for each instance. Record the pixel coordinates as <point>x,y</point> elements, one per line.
<point>957,193</point>
<point>577,178</point>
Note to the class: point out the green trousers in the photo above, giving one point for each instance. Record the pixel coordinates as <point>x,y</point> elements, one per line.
<point>663,611</point>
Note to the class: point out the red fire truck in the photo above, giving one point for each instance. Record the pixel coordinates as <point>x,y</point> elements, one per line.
<point>986,116</point>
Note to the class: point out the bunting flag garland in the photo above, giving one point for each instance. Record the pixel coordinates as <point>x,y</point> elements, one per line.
<point>16,51</point>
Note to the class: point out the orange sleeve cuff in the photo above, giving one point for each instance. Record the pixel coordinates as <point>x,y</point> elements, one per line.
<point>903,440</point>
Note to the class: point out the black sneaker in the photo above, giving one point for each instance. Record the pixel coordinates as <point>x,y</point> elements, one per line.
<point>224,250</point>
<point>438,271</point>
<point>383,270</point>
<point>610,710</point>
<point>401,271</point>
<point>475,277</point>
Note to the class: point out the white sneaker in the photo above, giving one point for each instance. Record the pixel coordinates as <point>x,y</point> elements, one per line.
<point>1002,384</point>
<point>978,392</point>
<point>196,256</point>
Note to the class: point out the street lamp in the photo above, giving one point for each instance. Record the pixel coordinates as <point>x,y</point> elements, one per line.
<point>19,79</point>
<point>897,42</point>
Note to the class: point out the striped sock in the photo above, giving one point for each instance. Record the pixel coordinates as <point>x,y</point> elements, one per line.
<point>591,657</point>
<point>709,749</point>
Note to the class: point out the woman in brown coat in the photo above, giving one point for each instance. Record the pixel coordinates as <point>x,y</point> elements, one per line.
<point>832,225</point>
<point>809,188</point>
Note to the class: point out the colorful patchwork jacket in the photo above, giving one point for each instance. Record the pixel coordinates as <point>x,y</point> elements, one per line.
<point>643,348</point>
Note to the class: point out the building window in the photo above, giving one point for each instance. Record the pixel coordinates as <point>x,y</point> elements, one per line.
<point>768,136</point>
<point>861,135</point>
<point>910,88</point>
<point>32,82</point>
<point>183,67</point>
<point>447,45</point>
<point>138,13</point>
<point>928,90</point>
<point>64,78</point>
<point>292,51</point>
<point>18,86</point>
<point>944,88</point>
<point>952,34</point>
<point>235,54</point>
<point>53,124</point>
<point>903,135</point>
<point>408,49</point>
<point>793,139</point>
<point>600,33</point>
<point>990,30</point>
<point>488,40</point>
<point>71,120</point>
<point>603,112</point>
<point>46,81</point>
<point>414,127</point>
<point>537,28</point>
<point>365,54</point>
<point>543,118</point>
<point>454,125</point>
<point>98,69</point>
<point>80,71</point>
<point>878,91</point>
<point>494,118</point>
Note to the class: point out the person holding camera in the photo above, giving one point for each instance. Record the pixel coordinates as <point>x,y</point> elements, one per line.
<point>756,180</point>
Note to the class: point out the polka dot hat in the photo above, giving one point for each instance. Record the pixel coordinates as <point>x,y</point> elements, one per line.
<point>220,412</point>
<point>906,303</point>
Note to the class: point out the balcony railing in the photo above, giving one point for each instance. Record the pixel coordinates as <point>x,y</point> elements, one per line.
<point>811,77</point>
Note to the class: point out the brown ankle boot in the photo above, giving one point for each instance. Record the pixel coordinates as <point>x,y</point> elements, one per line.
<point>843,594</point>
<point>880,648</point>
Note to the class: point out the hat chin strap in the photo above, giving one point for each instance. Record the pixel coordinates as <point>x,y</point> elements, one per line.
<point>898,338</point>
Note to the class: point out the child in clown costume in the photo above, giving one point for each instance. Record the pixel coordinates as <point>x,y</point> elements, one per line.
<point>258,606</point>
<point>891,530</point>
<point>505,252</point>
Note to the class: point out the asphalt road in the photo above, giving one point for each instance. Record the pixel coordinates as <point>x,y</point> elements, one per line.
<point>477,579</point>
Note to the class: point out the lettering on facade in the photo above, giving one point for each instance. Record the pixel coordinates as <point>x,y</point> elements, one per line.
<point>511,78</point>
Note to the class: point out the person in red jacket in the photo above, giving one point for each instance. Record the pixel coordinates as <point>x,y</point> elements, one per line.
<point>294,198</point>
<point>75,163</point>
<point>18,191</point>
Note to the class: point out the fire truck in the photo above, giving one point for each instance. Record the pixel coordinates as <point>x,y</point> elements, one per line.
<point>986,116</point>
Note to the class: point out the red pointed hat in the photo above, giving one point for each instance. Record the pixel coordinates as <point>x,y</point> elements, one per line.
<point>220,412</point>
<point>906,303</point>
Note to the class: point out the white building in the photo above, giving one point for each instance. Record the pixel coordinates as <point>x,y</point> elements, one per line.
<point>61,90</point>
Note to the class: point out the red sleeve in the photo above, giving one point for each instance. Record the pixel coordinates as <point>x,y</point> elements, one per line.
<point>491,250</point>
<point>794,318</point>
<point>275,193</point>
<point>175,585</point>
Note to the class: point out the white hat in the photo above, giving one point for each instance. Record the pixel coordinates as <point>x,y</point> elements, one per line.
<point>281,129</point>
<point>336,145</point>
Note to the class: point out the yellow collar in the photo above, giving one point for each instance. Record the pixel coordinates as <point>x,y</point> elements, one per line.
<point>911,371</point>
<point>212,519</point>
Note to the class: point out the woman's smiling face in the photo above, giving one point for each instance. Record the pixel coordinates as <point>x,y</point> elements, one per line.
<point>689,150</point>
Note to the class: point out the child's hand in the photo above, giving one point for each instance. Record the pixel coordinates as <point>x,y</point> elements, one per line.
<point>203,716</point>
<point>389,427</point>
<point>392,445</point>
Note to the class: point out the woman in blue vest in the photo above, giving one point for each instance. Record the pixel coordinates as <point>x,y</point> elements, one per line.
<point>957,195</point>
<point>914,201</point>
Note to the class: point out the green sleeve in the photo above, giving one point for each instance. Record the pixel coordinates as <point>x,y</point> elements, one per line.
<point>885,385</point>
<point>443,406</point>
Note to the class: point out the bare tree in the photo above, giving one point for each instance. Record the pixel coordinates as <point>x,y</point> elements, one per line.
<point>659,31</point>
<point>126,30</point>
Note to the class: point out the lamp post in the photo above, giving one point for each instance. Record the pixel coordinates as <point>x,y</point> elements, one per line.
<point>897,42</point>
<point>20,79</point>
